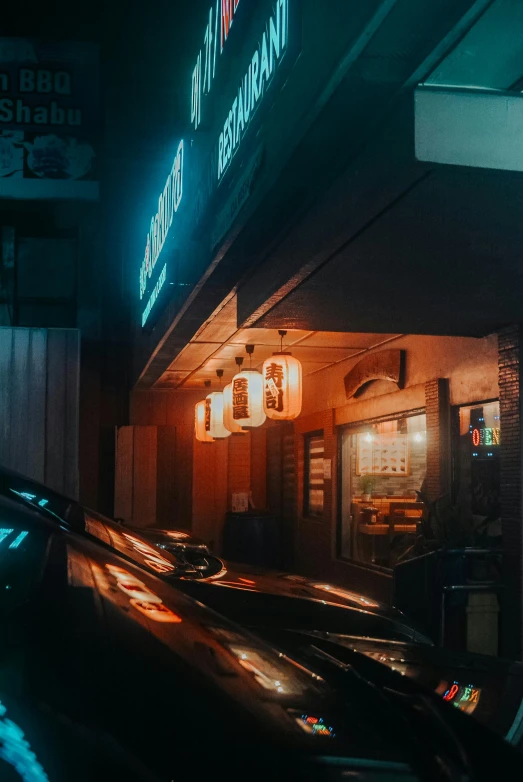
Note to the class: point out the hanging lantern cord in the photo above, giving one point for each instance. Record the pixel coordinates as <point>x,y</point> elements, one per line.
<point>239,362</point>
<point>282,334</point>
<point>250,350</point>
<point>219,373</point>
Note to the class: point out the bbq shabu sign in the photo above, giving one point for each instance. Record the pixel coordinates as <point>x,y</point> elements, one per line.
<point>49,119</point>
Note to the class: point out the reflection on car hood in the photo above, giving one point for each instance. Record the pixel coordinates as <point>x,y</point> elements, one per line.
<point>490,688</point>
<point>112,652</point>
<point>171,538</point>
<point>99,643</point>
<point>249,578</point>
<point>289,585</point>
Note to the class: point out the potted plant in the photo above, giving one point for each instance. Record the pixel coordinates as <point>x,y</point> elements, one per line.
<point>366,486</point>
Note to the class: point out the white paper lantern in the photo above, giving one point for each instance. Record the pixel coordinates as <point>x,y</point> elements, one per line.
<point>247,399</point>
<point>232,425</point>
<point>282,386</point>
<point>217,429</point>
<point>202,422</point>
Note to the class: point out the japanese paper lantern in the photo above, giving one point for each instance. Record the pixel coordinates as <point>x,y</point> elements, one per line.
<point>202,422</point>
<point>247,399</point>
<point>282,386</point>
<point>232,425</point>
<point>217,429</point>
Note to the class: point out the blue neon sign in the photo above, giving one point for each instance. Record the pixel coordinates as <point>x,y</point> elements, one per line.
<point>168,204</point>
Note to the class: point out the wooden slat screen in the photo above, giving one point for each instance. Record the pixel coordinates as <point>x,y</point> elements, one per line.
<point>314,476</point>
<point>145,488</point>
<point>39,404</point>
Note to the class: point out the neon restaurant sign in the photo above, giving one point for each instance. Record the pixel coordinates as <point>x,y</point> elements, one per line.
<point>265,60</point>
<point>485,436</point>
<point>221,17</point>
<point>168,203</point>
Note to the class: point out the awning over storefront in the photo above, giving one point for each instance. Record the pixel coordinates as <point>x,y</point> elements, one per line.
<point>466,127</point>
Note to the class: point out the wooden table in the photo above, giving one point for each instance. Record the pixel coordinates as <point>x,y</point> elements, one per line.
<point>384,529</point>
<point>376,530</point>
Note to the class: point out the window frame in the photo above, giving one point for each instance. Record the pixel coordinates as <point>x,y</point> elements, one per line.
<point>307,438</point>
<point>455,442</point>
<point>356,427</point>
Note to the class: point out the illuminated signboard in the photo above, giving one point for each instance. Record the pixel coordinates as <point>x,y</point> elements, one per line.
<point>464,696</point>
<point>221,17</point>
<point>265,60</point>
<point>315,726</point>
<point>168,204</point>
<point>485,436</point>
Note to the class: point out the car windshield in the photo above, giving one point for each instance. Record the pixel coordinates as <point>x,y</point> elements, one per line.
<point>81,519</point>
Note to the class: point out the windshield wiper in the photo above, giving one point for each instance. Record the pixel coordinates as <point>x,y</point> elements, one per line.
<point>403,712</point>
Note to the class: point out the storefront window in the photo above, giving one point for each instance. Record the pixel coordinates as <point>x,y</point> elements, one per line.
<point>313,500</point>
<point>383,465</point>
<point>478,488</point>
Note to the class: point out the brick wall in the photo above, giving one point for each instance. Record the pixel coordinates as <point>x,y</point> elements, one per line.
<point>239,467</point>
<point>329,452</point>
<point>314,538</point>
<point>438,437</point>
<point>259,466</point>
<point>509,367</point>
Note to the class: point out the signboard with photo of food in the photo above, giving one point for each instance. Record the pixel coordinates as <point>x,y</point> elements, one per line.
<point>383,454</point>
<point>49,119</point>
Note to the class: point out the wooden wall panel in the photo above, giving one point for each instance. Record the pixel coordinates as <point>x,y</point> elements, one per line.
<point>39,398</point>
<point>144,475</point>
<point>123,490</point>
<point>168,408</point>
<point>5,396</point>
<point>289,488</point>
<point>259,467</point>
<point>36,410</point>
<point>210,477</point>
<point>71,423</point>
<point>274,470</point>
<point>239,471</point>
<point>20,379</point>
<point>166,485</point>
<point>56,390</point>
<point>145,486</point>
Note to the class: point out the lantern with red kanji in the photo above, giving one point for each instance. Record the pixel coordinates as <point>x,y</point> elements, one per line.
<point>247,399</point>
<point>282,386</point>
<point>228,419</point>
<point>217,428</point>
<point>202,421</point>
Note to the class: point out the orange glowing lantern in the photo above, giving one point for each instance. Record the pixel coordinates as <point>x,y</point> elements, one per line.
<point>217,428</point>
<point>232,425</point>
<point>282,387</point>
<point>247,399</point>
<point>202,421</point>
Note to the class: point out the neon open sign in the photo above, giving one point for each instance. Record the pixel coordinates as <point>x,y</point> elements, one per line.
<point>486,436</point>
<point>168,203</point>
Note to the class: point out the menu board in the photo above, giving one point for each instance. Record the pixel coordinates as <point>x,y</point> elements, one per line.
<point>383,454</point>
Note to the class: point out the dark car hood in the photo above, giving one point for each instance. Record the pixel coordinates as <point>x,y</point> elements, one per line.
<point>248,577</point>
<point>140,672</point>
<point>93,640</point>
<point>288,587</point>
<point>489,688</point>
<point>284,586</point>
